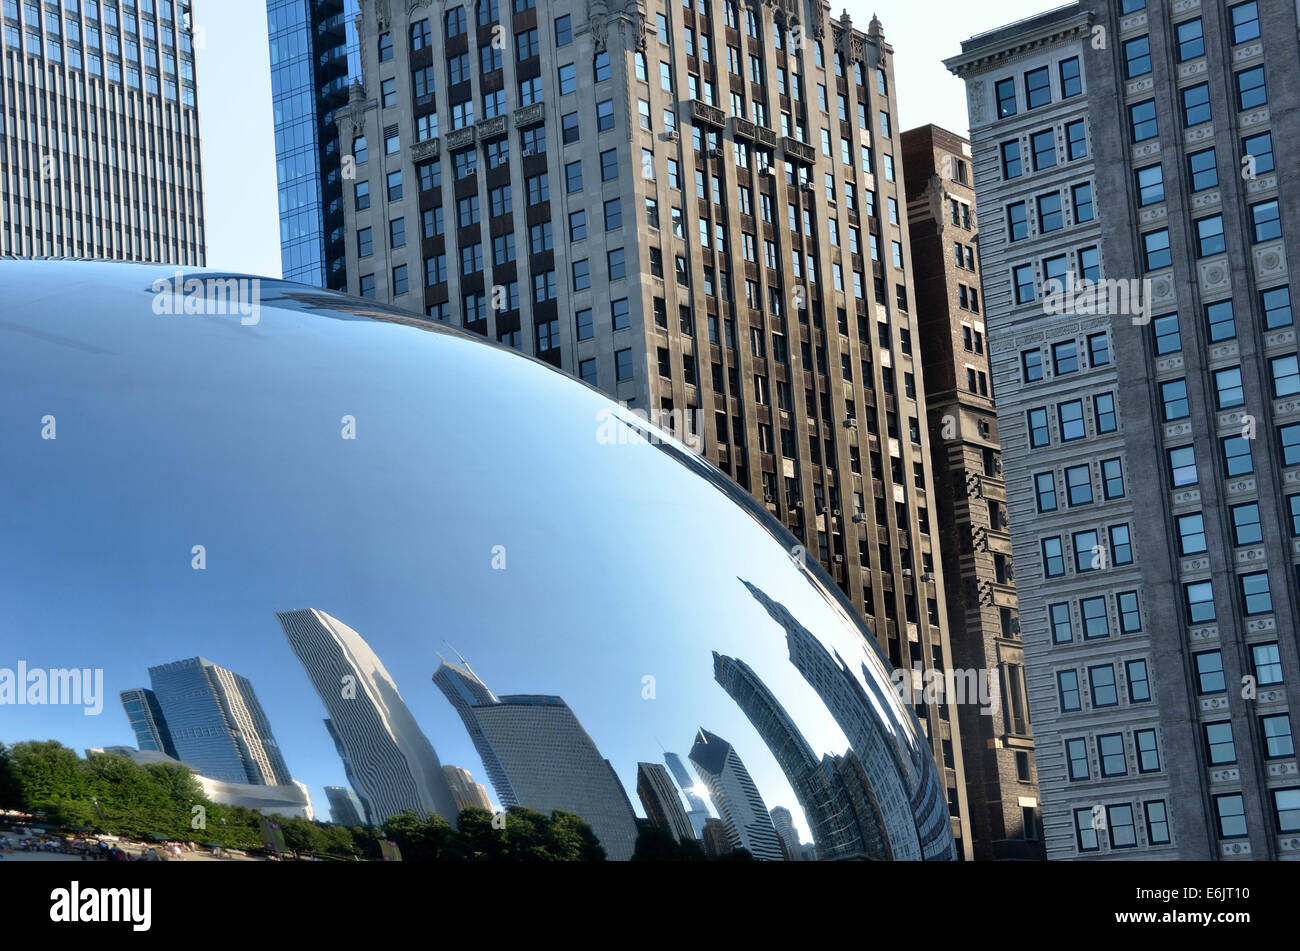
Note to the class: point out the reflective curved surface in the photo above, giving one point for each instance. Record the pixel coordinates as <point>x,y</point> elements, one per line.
<point>400,548</point>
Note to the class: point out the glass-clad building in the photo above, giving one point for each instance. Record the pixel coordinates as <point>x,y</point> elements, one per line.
<point>314,59</point>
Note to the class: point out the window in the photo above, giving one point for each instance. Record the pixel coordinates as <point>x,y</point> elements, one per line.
<point>1148,755</point>
<point>1200,602</point>
<point>1251,92</point>
<point>1256,597</point>
<point>1110,747</point>
<point>1142,120</point>
<point>1023,277</point>
<point>1082,197</point>
<point>1286,376</point>
<point>1260,149</point>
<point>1005,91</point>
<point>1228,389</point>
<point>619,314</point>
<point>1191,534</point>
<point>1071,78</point>
<point>1112,479</point>
<point>1051,216</point>
<point>1139,686</point>
<point>1209,672</point>
<point>1268,225</point>
<point>1276,731</point>
<point>1078,485</point>
<point>1038,88</point>
<point>362,195</point>
<point>1155,249</point>
<point>1209,236</point>
<point>1157,817</point>
<point>1237,457</point>
<point>1289,437</point>
<point>1220,747</point>
<point>1070,417</point>
<point>1230,810</point>
<point>1085,834</point>
<point>1067,688</point>
<point>1246,526</point>
<point>623,365</point>
<point>1017,221</point>
<point>1293,502</point>
<point>573,177</point>
<point>609,165</point>
<point>1065,357</point>
<point>1045,489</point>
<point>1062,629</point>
<point>581,275</point>
<point>1088,554</point>
<point>1076,752</point>
<point>365,242</point>
<point>1012,166</point>
<point>385,47</point>
<point>1043,146</point>
<point>1196,104</point>
<point>1053,558</point>
<point>1267,663</point>
<point>1039,435</point>
<point>1031,362</point>
<point>1182,466</point>
<point>1103,406</point>
<point>563,31</point>
<point>1167,336</point>
<point>1130,615</point>
<point>1096,624</point>
<point>1121,545</point>
<point>1203,170</point>
<point>1137,57</point>
<point>1221,321</point>
<point>1150,185</point>
<point>1191,39</point>
<point>1286,807</point>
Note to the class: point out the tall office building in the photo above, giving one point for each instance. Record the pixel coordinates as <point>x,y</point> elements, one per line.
<point>697,809</point>
<point>345,807</point>
<point>970,497</point>
<point>783,822</point>
<point>548,761</point>
<point>467,793</point>
<point>217,724</point>
<point>99,147</point>
<point>661,801</point>
<point>744,816</point>
<point>698,209</point>
<point>388,760</point>
<point>314,60</point>
<point>147,721</point>
<point>1149,424</point>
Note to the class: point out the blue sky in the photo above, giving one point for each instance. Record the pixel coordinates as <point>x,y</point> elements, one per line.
<point>239,144</point>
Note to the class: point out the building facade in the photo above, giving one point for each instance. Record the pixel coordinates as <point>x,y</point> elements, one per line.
<point>467,793</point>
<point>345,807</point>
<point>388,759</point>
<point>1149,419</point>
<point>147,721</point>
<point>216,723</point>
<point>697,809</point>
<point>314,60</point>
<point>971,497</point>
<point>745,819</point>
<point>99,143</point>
<point>662,802</point>
<point>698,209</point>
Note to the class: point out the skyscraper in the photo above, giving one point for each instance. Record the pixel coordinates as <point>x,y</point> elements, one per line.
<point>698,811</point>
<point>971,497</point>
<point>388,759</point>
<point>345,807</point>
<point>1136,261</point>
<point>109,164</point>
<point>661,801</point>
<point>217,724</point>
<point>314,60</point>
<point>467,793</point>
<point>783,822</point>
<point>147,721</point>
<point>698,209</point>
<point>744,815</point>
<point>547,760</point>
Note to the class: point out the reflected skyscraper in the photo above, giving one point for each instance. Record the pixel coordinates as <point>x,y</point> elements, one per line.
<point>835,824</point>
<point>744,815</point>
<point>698,813</point>
<point>147,721</point>
<point>217,724</point>
<point>388,759</point>
<point>783,822</point>
<point>467,793</point>
<point>345,807</point>
<point>548,761</point>
<point>663,805</point>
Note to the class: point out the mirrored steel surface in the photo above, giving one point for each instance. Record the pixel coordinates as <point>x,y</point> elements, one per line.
<point>442,499</point>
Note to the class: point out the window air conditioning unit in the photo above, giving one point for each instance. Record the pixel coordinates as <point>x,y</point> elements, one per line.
<point>671,135</point>
<point>715,153</point>
<point>527,153</point>
<point>806,186</point>
<point>850,424</point>
<point>859,518</point>
<point>839,559</point>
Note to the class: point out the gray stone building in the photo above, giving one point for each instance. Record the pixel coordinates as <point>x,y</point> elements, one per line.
<point>698,208</point>
<point>1136,269</point>
<point>99,138</point>
<point>971,497</point>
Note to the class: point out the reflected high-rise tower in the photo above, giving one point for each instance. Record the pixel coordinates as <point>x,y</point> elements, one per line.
<point>345,807</point>
<point>698,813</point>
<point>147,721</point>
<point>545,758</point>
<point>743,812</point>
<point>389,760</point>
<point>217,724</point>
<point>467,793</point>
<point>663,806</point>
